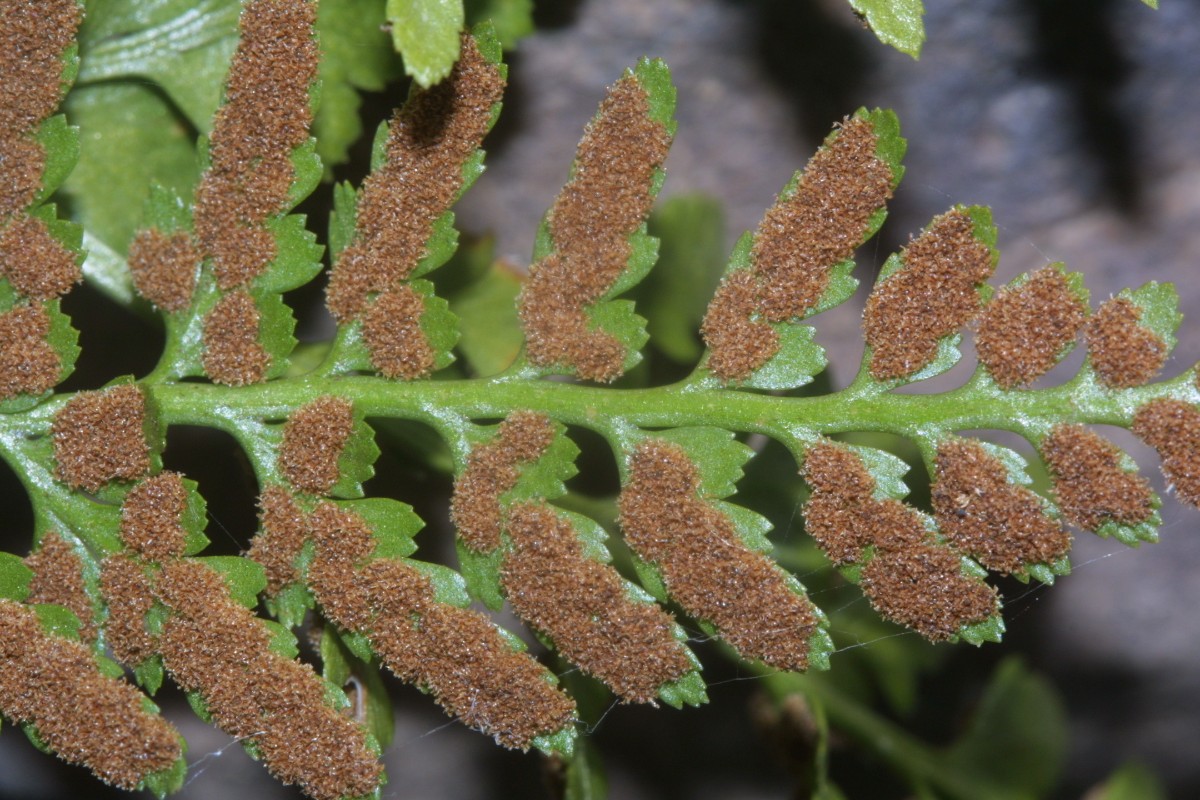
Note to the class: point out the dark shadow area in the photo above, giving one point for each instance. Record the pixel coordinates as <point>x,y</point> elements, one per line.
<point>1076,44</point>
<point>113,340</point>
<point>814,60</point>
<point>17,536</point>
<point>226,480</point>
<point>553,14</point>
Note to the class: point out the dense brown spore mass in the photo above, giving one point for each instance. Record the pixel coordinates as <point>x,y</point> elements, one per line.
<point>99,437</point>
<point>738,342</point>
<point>1025,328</point>
<point>281,537</point>
<point>824,220</point>
<point>129,596</point>
<point>1122,352</point>
<point>456,654</point>
<point>394,337</point>
<point>265,117</point>
<point>152,517</point>
<point>492,470</point>
<point>601,206</point>
<point>35,263</point>
<point>313,440</point>
<point>430,140</point>
<point>214,646</point>
<point>1172,427</point>
<point>1003,525</point>
<point>704,564</point>
<point>933,295</point>
<point>1091,486</point>
<point>33,39</point>
<point>164,267</point>
<point>28,364</point>
<point>582,605</point>
<point>232,353</point>
<point>58,578</point>
<point>907,577</point>
<point>84,716</point>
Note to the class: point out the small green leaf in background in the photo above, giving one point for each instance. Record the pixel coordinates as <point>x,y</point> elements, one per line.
<point>1018,738</point>
<point>356,55</point>
<point>1132,781</point>
<point>512,19</point>
<point>1151,3</point>
<point>425,33</point>
<point>487,309</point>
<point>585,778</point>
<point>895,22</point>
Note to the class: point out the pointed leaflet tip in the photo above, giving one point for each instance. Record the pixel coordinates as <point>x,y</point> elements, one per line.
<point>897,22</point>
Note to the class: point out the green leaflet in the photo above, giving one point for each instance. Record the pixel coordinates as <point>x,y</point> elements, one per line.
<point>426,32</point>
<point>896,22</point>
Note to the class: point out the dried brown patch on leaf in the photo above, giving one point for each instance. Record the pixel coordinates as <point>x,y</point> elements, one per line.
<point>602,205</point>
<point>704,564</point>
<point>100,437</point>
<point>492,470</point>
<point>907,577</point>
<point>33,38</point>
<point>58,579</point>
<point>1172,427</point>
<point>213,646</point>
<point>84,716</point>
<point>983,514</point>
<point>313,440</point>
<point>430,139</point>
<point>1122,352</point>
<point>738,343</point>
<point>821,223</point>
<point>583,606</point>
<point>164,266</point>
<point>28,364</point>
<point>1091,486</point>
<point>932,296</point>
<point>265,117</point>
<point>152,517</point>
<point>282,533</point>
<point>393,335</point>
<point>127,592</point>
<point>35,263</point>
<point>1025,328</point>
<point>232,353</point>
<point>454,653</point>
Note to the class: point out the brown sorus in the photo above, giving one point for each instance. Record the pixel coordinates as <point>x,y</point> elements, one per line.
<point>1091,486</point>
<point>985,515</point>
<point>602,205</point>
<point>933,295</point>
<point>58,579</point>
<point>492,470</point>
<point>908,577</point>
<point>129,596</point>
<point>100,437</point>
<point>213,646</point>
<point>232,353</point>
<point>28,364</point>
<point>1122,352</point>
<point>822,222</point>
<point>394,337</point>
<point>456,654</point>
<point>266,116</point>
<point>1025,328</point>
<point>704,564</point>
<point>87,718</point>
<point>584,607</point>
<point>164,266</point>
<point>738,343</point>
<point>34,36</point>
<point>281,536</point>
<point>429,141</point>
<point>1172,427</point>
<point>152,517</point>
<point>313,440</point>
<point>35,263</point>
